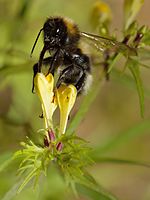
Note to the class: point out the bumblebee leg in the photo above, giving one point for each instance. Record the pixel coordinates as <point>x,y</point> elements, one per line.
<point>72,75</point>
<point>41,58</point>
<point>106,67</point>
<point>81,83</point>
<point>54,61</point>
<point>46,61</point>
<point>106,64</point>
<point>35,71</point>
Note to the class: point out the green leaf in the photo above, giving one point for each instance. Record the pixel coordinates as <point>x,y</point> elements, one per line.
<point>114,61</point>
<point>143,54</point>
<point>99,159</point>
<point>93,194</point>
<point>134,68</point>
<point>146,37</point>
<point>125,136</point>
<point>12,192</point>
<point>88,186</point>
<point>131,8</point>
<point>26,180</point>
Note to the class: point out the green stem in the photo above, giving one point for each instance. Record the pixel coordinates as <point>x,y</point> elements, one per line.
<point>113,62</point>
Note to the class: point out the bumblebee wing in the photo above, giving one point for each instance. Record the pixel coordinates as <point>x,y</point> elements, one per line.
<point>103,43</point>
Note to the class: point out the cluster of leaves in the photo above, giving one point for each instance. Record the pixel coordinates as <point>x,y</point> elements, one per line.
<point>71,159</point>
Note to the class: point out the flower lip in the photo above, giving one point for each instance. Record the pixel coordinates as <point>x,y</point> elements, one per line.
<point>50,98</point>
<point>66,96</point>
<point>44,89</point>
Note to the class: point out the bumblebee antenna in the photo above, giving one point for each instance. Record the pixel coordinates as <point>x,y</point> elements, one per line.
<point>35,42</point>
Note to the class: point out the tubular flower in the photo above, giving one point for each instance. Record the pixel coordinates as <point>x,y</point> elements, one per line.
<point>64,97</point>
<point>44,89</point>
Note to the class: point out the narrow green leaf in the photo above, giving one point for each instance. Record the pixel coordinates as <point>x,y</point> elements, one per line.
<point>93,194</point>
<point>12,192</point>
<point>26,180</point>
<point>125,136</point>
<point>112,64</point>
<point>131,8</point>
<point>26,167</point>
<point>143,54</point>
<point>99,159</point>
<point>146,38</point>
<point>96,191</point>
<point>134,68</point>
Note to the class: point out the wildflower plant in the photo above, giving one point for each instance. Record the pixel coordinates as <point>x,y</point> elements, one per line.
<point>70,153</point>
<point>60,144</point>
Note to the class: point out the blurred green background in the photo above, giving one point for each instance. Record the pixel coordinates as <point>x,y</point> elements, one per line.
<point>113,124</point>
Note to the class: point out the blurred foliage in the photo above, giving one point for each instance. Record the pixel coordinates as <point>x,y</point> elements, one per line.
<point>131,8</point>
<point>19,109</point>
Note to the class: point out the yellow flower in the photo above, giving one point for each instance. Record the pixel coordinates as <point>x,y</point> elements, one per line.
<point>102,8</point>
<point>64,97</point>
<point>44,89</point>
<point>100,14</point>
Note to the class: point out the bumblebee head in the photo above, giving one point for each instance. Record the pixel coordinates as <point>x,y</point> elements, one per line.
<point>55,33</point>
<point>58,33</point>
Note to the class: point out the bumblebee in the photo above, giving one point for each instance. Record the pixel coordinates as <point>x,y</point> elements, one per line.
<point>61,39</point>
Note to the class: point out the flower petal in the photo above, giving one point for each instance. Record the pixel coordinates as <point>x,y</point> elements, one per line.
<point>44,89</point>
<point>66,96</point>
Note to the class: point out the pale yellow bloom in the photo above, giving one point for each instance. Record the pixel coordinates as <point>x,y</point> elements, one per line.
<point>64,97</point>
<point>44,89</point>
<point>102,8</point>
<point>101,14</point>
